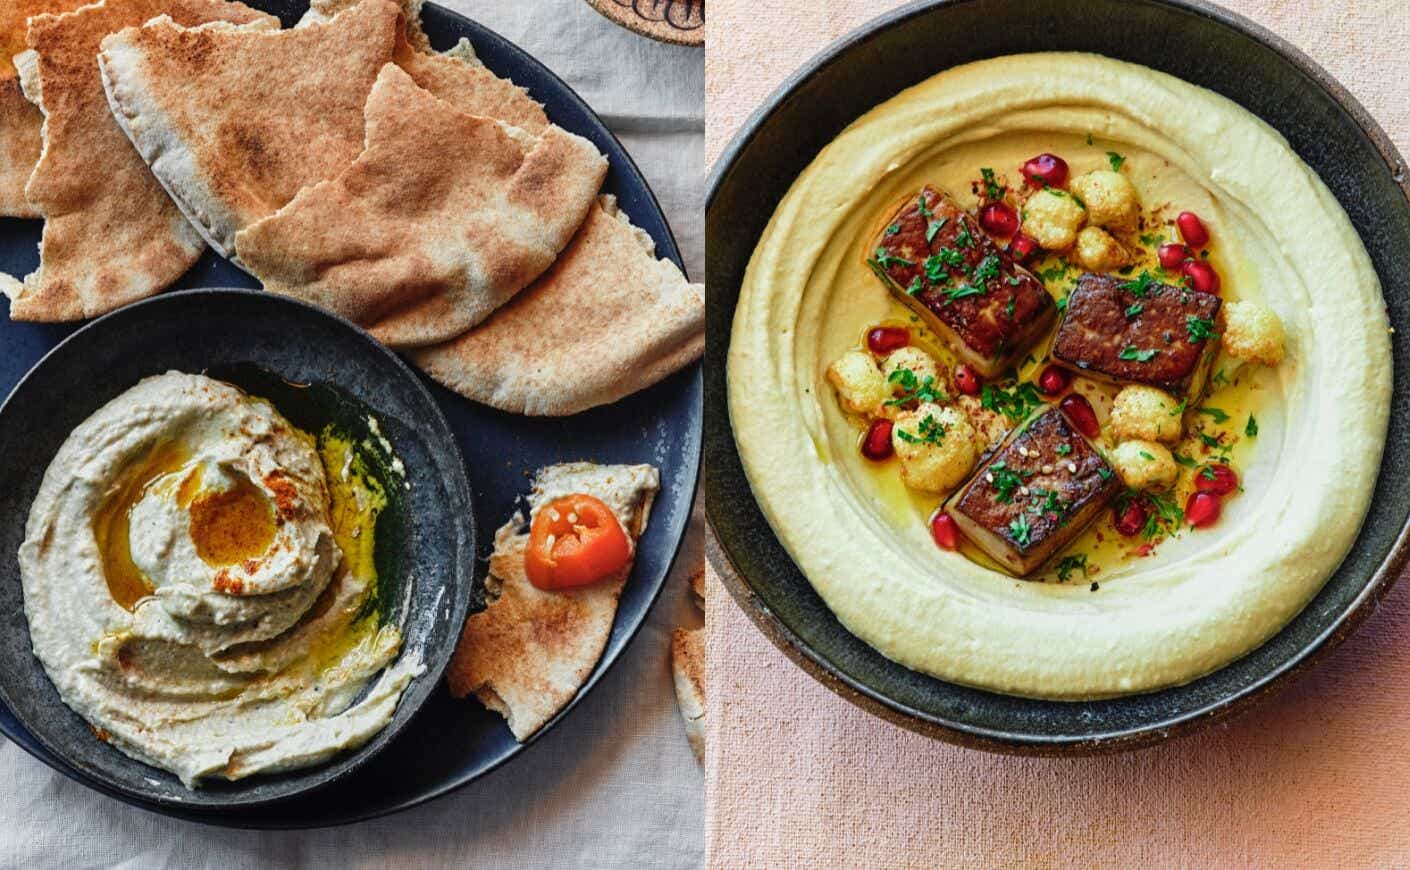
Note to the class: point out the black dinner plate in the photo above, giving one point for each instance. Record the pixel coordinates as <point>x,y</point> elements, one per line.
<point>1197,42</point>
<point>452,742</point>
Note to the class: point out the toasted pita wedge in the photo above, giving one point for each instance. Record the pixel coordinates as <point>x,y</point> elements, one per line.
<point>441,219</point>
<point>235,123</point>
<point>19,118</point>
<point>688,674</point>
<point>457,76</point>
<point>529,651</point>
<point>607,320</point>
<point>111,235</point>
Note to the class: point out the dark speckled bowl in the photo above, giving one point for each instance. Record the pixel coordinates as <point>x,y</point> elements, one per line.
<point>1197,42</point>
<point>239,335</point>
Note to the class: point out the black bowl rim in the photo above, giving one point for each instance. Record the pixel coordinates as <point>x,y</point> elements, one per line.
<point>718,551</point>
<point>458,481</point>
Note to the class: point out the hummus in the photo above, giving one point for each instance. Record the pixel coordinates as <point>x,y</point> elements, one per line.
<point>199,584</point>
<point>1202,599</point>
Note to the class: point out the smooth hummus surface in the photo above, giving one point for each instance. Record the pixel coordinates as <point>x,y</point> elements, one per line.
<point>198,577</point>
<point>1198,602</point>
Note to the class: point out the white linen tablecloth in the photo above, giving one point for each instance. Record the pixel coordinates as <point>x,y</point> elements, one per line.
<point>615,785</point>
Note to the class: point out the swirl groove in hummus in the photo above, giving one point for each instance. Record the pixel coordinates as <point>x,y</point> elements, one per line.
<point>196,584</point>
<point>1200,602</point>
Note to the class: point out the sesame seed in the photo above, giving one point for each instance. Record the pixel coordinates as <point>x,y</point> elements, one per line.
<point>1072,467</point>
<point>1023,489</point>
<point>988,477</point>
<point>1047,469</point>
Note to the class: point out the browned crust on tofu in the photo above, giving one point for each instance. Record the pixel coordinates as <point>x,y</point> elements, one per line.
<point>988,330</point>
<point>1057,503</point>
<point>1096,329</point>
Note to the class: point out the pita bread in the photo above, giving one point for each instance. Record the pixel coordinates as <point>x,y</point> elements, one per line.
<point>235,123</point>
<point>688,674</point>
<point>457,76</point>
<point>19,118</point>
<point>441,219</point>
<point>529,651</point>
<point>607,320</point>
<point>111,236</point>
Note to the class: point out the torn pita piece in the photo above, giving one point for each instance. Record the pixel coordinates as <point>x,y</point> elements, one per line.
<point>456,76</point>
<point>19,118</point>
<point>440,220</point>
<point>111,236</point>
<point>234,123</point>
<point>529,651</point>
<point>688,676</point>
<point>607,320</point>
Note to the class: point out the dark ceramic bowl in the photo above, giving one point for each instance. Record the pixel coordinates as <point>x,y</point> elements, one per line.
<point>425,537</point>
<point>1197,42</point>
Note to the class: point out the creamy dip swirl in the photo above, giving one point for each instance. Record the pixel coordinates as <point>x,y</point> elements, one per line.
<point>1283,241</point>
<point>187,592</point>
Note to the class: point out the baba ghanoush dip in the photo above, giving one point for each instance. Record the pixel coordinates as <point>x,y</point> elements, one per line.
<point>200,584</point>
<point>1061,377</point>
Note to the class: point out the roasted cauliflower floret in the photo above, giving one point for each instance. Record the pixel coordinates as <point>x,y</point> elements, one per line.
<point>1053,218</point>
<point>1144,464</point>
<point>914,360</point>
<point>1252,333</point>
<point>1096,251</point>
<point>860,385</point>
<point>990,427</point>
<point>1146,414</point>
<point>1111,199</point>
<point>936,447</point>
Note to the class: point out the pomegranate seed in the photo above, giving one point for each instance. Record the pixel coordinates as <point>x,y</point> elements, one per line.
<point>876,444</point>
<point>1022,247</point>
<point>998,219</point>
<point>1202,509</point>
<point>1172,256</point>
<point>884,339</point>
<point>1192,229</point>
<point>945,531</point>
<point>1080,412</point>
<point>1048,169</point>
<point>1053,380</point>
<point>1202,276</point>
<point>967,380</point>
<point>1216,479</point>
<point>1132,520</point>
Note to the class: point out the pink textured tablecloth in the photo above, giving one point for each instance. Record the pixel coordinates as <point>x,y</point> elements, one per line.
<point>1319,776</point>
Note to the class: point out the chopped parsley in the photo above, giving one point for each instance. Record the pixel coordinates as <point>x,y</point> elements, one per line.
<point>1104,472</point>
<point>1219,377</point>
<point>924,209</point>
<point>1147,457</point>
<point>991,187</point>
<point>1008,309</point>
<point>1165,516</point>
<point>1180,408</point>
<point>1005,482</point>
<point>1016,404</point>
<point>1184,460</point>
<point>1072,563</point>
<point>936,264</point>
<point>960,292</point>
<point>1217,414</point>
<point>1115,160</point>
<point>987,270</point>
<point>1134,310</point>
<point>1089,137</point>
<point>893,229</point>
<point>1207,441</point>
<point>1150,239</point>
<point>886,261</point>
<point>1064,449</point>
<point>1062,305</point>
<point>1138,287</point>
<point>1131,352</point>
<point>916,286</point>
<point>914,389</point>
<point>1251,428</point>
<point>1199,328</point>
<point>934,228</point>
<point>963,239</point>
<point>929,431</point>
<point>1020,530</point>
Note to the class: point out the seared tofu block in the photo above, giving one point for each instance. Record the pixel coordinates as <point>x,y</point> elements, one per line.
<point>1035,494</point>
<point>935,258</point>
<point>1138,331</point>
